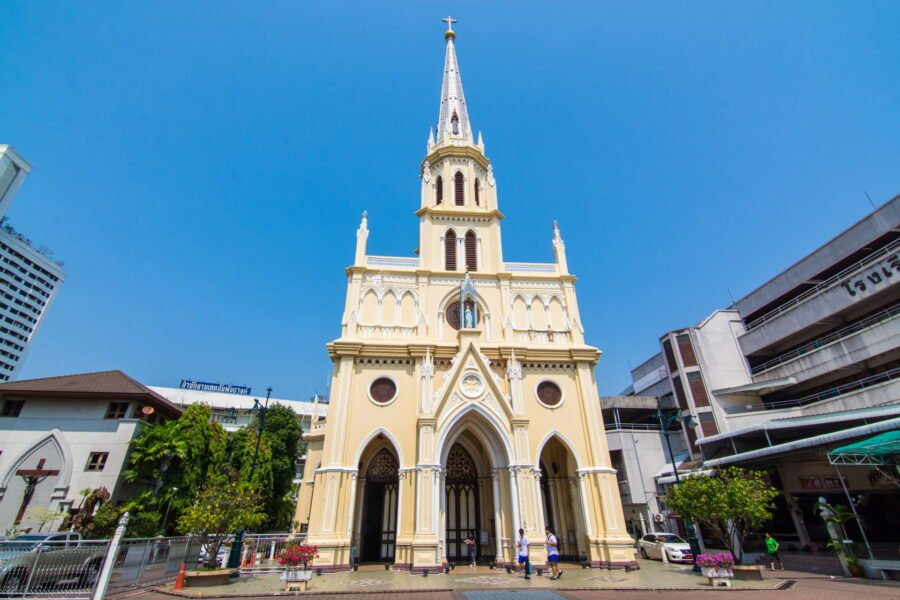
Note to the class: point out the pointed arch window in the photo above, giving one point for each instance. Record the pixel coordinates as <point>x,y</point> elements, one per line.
<point>439,189</point>
<point>471,251</point>
<point>477,192</point>
<point>450,251</point>
<point>459,189</point>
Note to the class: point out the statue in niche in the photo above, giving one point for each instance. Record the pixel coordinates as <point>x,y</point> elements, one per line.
<point>467,298</point>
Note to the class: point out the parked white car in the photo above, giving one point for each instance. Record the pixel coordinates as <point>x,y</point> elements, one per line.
<point>655,543</point>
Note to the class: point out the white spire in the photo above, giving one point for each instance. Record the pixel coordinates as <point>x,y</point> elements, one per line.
<point>362,236</point>
<point>453,122</point>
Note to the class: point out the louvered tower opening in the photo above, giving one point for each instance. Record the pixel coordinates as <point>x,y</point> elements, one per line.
<point>471,252</point>
<point>477,192</point>
<point>450,251</point>
<point>439,190</point>
<point>459,189</point>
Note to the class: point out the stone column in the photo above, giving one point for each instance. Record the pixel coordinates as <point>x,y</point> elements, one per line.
<point>498,534</point>
<point>351,512</point>
<point>578,512</point>
<point>514,501</point>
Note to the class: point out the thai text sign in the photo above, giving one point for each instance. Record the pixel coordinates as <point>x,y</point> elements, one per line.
<point>187,384</point>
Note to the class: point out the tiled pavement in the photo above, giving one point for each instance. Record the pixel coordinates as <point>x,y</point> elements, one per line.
<point>652,581</point>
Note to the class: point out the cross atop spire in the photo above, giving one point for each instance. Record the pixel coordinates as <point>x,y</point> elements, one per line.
<point>453,122</point>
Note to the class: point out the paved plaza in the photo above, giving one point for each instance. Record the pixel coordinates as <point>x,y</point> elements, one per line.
<point>657,582</point>
<point>465,583</point>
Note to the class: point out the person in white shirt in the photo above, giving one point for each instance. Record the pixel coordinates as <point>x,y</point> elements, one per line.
<point>553,554</point>
<point>523,554</point>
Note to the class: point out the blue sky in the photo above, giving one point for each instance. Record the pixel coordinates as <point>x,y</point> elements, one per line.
<point>201,166</point>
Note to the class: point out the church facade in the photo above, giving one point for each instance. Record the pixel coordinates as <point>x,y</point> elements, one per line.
<point>463,396</point>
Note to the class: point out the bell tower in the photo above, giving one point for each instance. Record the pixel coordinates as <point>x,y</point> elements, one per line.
<point>459,217</point>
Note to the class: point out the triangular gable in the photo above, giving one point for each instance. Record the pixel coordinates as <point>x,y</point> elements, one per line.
<point>484,387</point>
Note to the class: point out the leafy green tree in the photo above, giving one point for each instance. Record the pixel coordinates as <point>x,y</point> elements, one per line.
<point>222,508</point>
<point>178,458</point>
<point>275,465</point>
<point>730,503</point>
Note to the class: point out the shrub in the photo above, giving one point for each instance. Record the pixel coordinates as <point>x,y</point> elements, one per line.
<point>716,561</point>
<point>298,554</point>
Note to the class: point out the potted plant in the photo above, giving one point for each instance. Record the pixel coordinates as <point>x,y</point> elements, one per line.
<point>296,558</point>
<point>836,518</point>
<point>850,553</point>
<point>717,568</point>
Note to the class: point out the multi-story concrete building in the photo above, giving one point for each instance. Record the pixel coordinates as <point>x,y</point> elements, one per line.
<point>29,279</point>
<point>807,362</point>
<point>62,435</point>
<point>234,411</point>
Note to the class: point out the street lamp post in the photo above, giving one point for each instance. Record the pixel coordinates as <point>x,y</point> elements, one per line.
<point>168,506</point>
<point>260,423</point>
<point>234,557</point>
<point>666,420</point>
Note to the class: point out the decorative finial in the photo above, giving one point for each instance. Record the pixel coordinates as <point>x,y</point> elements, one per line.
<point>556,233</point>
<point>366,216</point>
<point>449,34</point>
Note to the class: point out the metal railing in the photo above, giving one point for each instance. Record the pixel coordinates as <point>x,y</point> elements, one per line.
<point>847,388</point>
<point>392,261</point>
<point>65,568</point>
<point>827,339</point>
<point>70,569</point>
<point>145,561</point>
<point>520,267</point>
<point>632,426</point>
<point>261,551</point>
<point>830,282</point>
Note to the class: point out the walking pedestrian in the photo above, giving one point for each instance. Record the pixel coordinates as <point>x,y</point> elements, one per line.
<point>473,548</point>
<point>524,563</point>
<point>553,554</point>
<point>772,546</point>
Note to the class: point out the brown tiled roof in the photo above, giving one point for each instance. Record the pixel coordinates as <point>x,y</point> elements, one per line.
<point>90,385</point>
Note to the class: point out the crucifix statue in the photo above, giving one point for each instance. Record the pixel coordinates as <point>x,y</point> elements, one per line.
<point>32,477</point>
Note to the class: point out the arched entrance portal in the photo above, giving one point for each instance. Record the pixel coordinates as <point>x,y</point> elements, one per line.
<point>474,460</point>
<point>378,519</point>
<point>561,499</point>
<point>462,503</point>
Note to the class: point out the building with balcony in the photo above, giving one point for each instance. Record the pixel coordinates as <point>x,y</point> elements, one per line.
<point>808,361</point>
<point>29,277</point>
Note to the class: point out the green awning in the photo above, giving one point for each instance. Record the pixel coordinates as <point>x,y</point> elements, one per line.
<point>873,451</point>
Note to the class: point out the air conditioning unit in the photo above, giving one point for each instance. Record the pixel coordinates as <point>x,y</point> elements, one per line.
<point>658,518</point>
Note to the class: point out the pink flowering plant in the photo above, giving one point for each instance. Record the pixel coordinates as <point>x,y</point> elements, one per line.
<point>716,561</point>
<point>298,554</point>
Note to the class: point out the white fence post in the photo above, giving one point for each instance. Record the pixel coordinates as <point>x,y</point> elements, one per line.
<point>109,560</point>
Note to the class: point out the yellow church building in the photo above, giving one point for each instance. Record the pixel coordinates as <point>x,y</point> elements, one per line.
<point>463,396</point>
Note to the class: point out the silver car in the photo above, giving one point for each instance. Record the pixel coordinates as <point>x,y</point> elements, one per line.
<point>40,560</point>
<point>655,543</point>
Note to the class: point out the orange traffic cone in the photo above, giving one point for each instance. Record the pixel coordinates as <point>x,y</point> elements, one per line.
<point>179,582</point>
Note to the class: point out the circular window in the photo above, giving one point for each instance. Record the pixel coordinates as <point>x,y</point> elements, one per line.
<point>383,390</point>
<point>453,314</point>
<point>471,385</point>
<point>549,394</point>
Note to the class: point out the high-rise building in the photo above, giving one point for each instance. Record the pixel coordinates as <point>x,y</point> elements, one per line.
<point>29,277</point>
<point>463,396</point>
